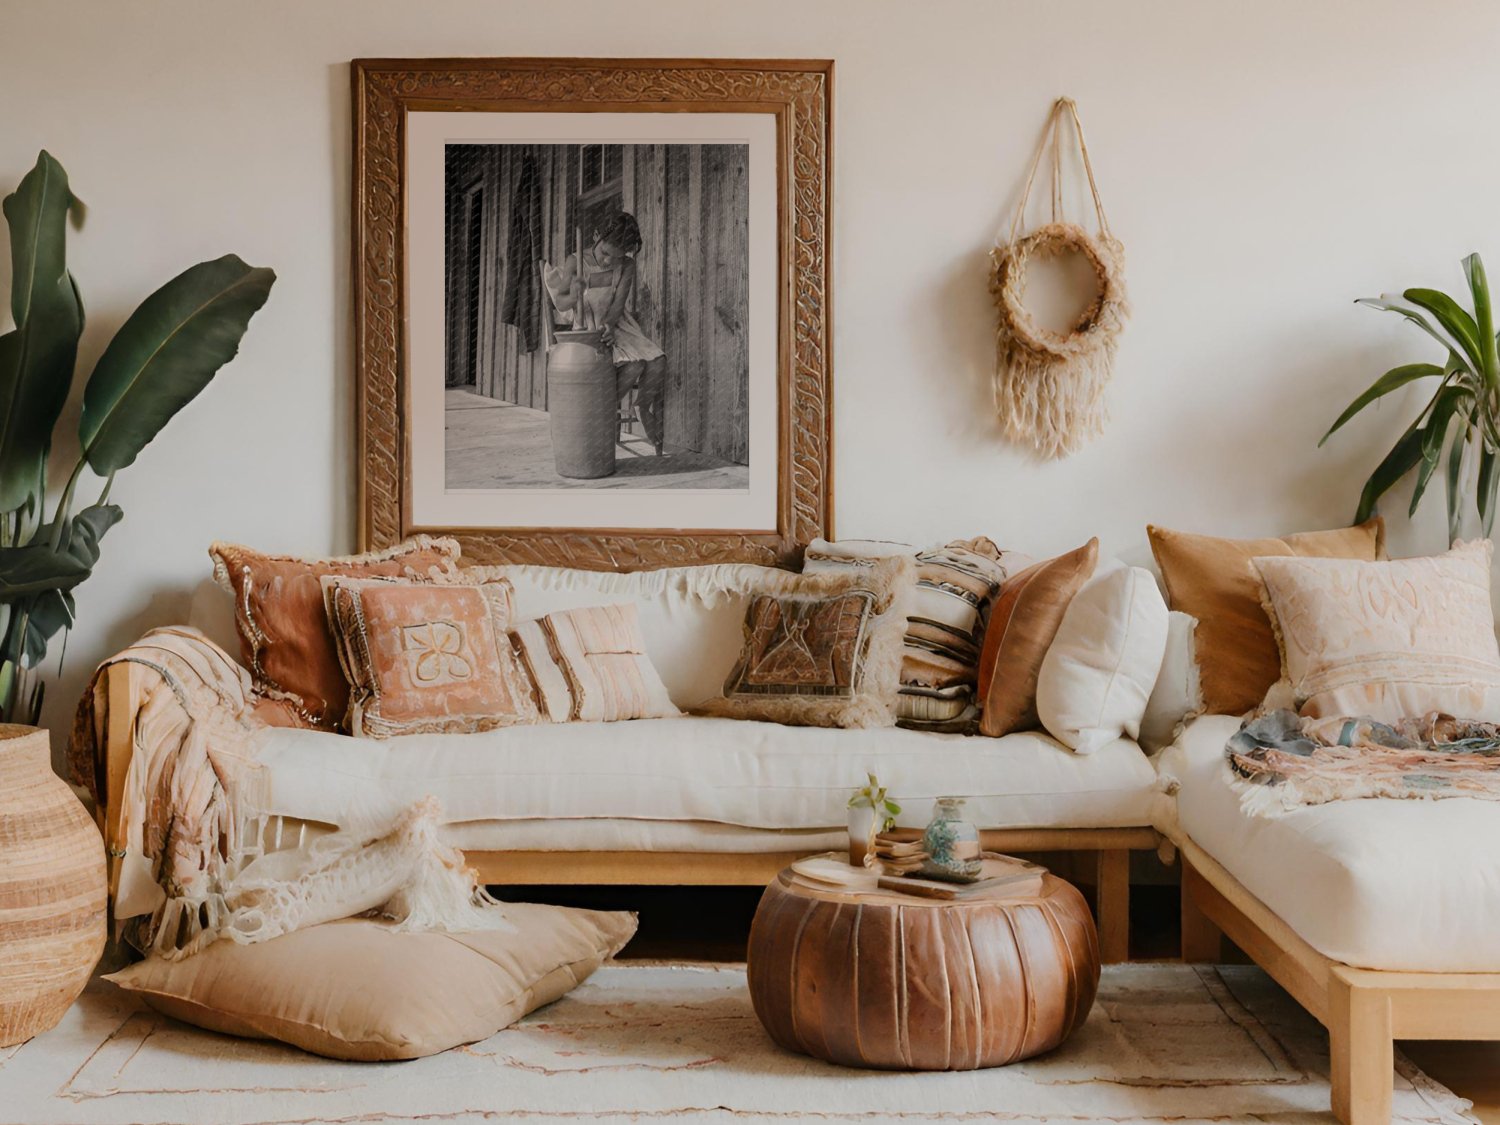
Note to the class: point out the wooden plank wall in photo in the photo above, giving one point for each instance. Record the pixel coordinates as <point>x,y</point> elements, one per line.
<point>692,204</point>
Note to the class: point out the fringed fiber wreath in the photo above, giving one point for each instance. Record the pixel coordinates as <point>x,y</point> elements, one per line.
<point>1049,386</point>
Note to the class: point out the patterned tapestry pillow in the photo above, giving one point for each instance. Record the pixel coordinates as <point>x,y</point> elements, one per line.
<point>1214,580</point>
<point>1388,640</point>
<point>823,649</point>
<point>423,657</point>
<point>284,634</point>
<point>590,665</point>
<point>1022,626</point>
<point>956,584</point>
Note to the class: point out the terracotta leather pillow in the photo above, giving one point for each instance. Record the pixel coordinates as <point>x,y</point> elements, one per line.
<point>357,990</point>
<point>427,657</point>
<point>1215,581</point>
<point>285,640</point>
<point>1023,622</point>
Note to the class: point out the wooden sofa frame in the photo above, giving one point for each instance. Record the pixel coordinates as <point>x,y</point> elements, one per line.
<point>1111,846</point>
<point>1364,1010</point>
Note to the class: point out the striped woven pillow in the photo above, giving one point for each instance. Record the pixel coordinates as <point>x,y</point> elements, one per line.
<point>956,584</point>
<point>590,665</point>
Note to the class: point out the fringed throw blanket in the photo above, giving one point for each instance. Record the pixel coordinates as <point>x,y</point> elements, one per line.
<point>1281,761</point>
<point>191,842</point>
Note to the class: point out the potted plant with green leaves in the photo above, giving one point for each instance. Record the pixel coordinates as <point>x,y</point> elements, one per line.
<point>871,811</point>
<point>1457,427</point>
<point>164,354</point>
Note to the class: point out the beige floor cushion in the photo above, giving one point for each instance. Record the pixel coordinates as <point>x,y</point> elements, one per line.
<point>358,990</point>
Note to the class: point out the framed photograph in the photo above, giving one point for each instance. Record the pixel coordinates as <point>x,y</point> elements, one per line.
<point>592,307</point>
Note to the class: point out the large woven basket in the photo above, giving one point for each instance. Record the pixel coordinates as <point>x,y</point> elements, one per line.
<point>52,889</point>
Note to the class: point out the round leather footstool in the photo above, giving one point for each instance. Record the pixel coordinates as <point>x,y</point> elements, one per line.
<point>883,979</point>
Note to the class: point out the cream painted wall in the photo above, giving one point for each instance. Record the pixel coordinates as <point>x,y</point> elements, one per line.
<point>1264,164</point>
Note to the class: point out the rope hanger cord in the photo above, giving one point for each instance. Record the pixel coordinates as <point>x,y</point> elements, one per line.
<point>1049,386</point>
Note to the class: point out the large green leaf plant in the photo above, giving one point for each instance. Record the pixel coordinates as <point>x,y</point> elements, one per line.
<point>1457,428</point>
<point>164,354</point>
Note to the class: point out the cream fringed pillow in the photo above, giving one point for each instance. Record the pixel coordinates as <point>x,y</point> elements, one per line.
<point>590,665</point>
<point>1388,640</point>
<point>356,990</point>
<point>426,657</point>
<point>823,650</point>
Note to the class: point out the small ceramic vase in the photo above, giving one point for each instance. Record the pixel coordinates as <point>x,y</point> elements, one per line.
<point>951,843</point>
<point>861,832</point>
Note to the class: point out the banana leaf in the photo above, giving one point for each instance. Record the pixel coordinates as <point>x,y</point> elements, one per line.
<point>164,354</point>
<point>82,533</point>
<point>47,614</point>
<point>1394,379</point>
<point>35,568</point>
<point>37,356</point>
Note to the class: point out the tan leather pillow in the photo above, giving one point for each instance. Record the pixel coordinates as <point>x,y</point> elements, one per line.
<point>1214,580</point>
<point>427,657</point>
<point>357,990</point>
<point>285,640</point>
<point>1023,623</point>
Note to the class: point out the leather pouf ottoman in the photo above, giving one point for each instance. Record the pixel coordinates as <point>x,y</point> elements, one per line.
<point>889,980</point>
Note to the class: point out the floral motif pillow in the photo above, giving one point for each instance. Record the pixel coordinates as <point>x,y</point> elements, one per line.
<point>427,657</point>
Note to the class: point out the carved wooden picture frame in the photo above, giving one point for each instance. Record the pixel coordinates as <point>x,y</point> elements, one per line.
<point>396,348</point>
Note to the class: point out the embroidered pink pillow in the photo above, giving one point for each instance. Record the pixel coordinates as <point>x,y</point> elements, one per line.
<point>427,657</point>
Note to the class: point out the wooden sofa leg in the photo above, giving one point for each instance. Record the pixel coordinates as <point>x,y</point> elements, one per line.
<point>1112,886</point>
<point>1361,1052</point>
<point>1202,941</point>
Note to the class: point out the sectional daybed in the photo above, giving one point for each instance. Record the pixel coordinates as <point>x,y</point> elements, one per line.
<point>1380,916</point>
<point>690,800</point>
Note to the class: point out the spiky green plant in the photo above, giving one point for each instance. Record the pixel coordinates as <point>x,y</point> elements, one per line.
<point>1457,427</point>
<point>163,355</point>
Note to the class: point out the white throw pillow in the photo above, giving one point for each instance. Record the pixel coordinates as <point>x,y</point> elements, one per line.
<point>1098,674</point>
<point>1178,694</point>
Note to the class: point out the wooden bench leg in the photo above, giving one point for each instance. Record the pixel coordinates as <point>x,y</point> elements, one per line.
<point>1112,886</point>
<point>1361,1052</point>
<point>1202,941</point>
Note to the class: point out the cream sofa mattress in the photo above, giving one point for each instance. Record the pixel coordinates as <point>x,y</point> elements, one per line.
<point>1379,884</point>
<point>727,771</point>
<point>599,834</point>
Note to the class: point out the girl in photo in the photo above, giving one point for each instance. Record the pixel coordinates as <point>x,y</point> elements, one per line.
<point>599,297</point>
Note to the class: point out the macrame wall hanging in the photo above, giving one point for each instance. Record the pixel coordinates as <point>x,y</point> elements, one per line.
<point>1049,386</point>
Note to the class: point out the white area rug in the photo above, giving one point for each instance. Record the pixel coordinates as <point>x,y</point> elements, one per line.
<point>647,1042</point>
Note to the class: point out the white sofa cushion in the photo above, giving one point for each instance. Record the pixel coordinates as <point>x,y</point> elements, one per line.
<point>1379,884</point>
<point>1177,695</point>
<point>1101,665</point>
<point>731,771</point>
